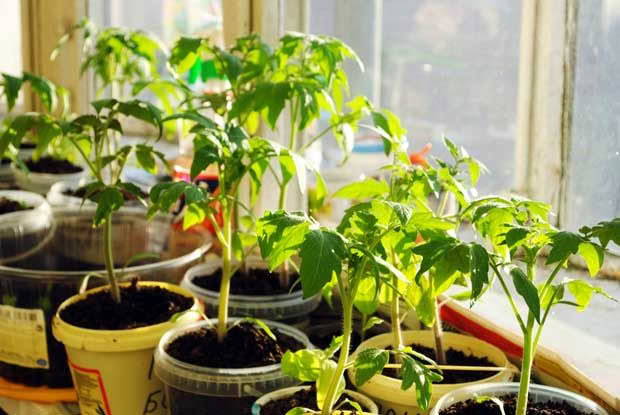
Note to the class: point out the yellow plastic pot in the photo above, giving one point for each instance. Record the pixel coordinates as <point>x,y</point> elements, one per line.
<point>112,370</point>
<point>386,391</point>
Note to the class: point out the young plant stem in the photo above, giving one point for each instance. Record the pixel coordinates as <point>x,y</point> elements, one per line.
<point>526,367</point>
<point>395,317</point>
<point>222,313</point>
<point>109,261</point>
<point>347,327</point>
<point>438,335</point>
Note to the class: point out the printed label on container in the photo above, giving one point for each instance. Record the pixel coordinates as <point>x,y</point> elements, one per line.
<point>23,339</point>
<point>90,390</point>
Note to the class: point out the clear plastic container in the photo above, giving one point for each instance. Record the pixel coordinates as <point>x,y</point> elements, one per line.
<point>191,389</point>
<point>290,308</point>
<point>538,393</point>
<point>366,403</point>
<point>56,197</point>
<point>46,279</point>
<point>42,182</point>
<point>25,232</point>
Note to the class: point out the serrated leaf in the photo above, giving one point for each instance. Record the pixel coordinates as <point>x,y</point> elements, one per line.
<point>527,290</point>
<point>108,201</point>
<point>368,188</point>
<point>322,254</point>
<point>479,270</point>
<point>12,86</point>
<point>563,245</point>
<point>583,292</point>
<point>368,363</point>
<point>144,155</point>
<point>593,255</point>
<point>304,365</point>
<point>413,372</point>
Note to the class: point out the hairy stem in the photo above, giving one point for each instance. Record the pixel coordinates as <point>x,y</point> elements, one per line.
<point>526,367</point>
<point>109,261</point>
<point>222,312</point>
<point>438,335</point>
<point>347,326</point>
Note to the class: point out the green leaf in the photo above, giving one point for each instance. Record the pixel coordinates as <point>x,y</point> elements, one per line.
<point>479,269</point>
<point>299,411</point>
<point>366,296</point>
<point>144,155</point>
<point>322,254</point>
<point>12,86</point>
<point>261,325</point>
<point>563,245</point>
<point>108,201</point>
<point>527,290</point>
<point>371,322</point>
<point>593,255</point>
<point>45,90</point>
<point>413,372</point>
<point>304,364</point>
<point>368,188</point>
<point>605,231</point>
<point>280,234</point>
<point>203,157</point>
<point>185,52</point>
<point>583,292</point>
<point>368,363</point>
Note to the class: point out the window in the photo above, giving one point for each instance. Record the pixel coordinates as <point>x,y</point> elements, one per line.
<point>445,67</point>
<point>11,45</point>
<point>594,145</point>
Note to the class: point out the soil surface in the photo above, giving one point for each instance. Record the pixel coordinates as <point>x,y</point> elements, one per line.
<point>323,338</point>
<point>456,358</point>
<point>305,398</point>
<point>244,346</point>
<point>27,146</point>
<point>256,282</point>
<point>81,192</point>
<point>471,407</point>
<point>10,206</point>
<point>52,166</point>
<point>140,307</point>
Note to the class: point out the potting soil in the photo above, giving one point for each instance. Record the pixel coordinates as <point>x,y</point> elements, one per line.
<point>471,407</point>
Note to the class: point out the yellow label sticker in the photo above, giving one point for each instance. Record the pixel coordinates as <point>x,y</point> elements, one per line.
<point>90,390</point>
<point>23,340</point>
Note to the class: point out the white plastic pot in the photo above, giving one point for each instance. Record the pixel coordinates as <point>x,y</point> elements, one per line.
<point>537,393</point>
<point>289,308</point>
<point>386,391</point>
<point>25,232</point>
<point>190,388</point>
<point>57,197</point>
<point>112,369</point>
<point>365,402</point>
<point>42,182</point>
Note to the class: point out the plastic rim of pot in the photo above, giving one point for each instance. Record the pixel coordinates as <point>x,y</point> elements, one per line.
<point>386,391</point>
<point>365,401</point>
<point>25,232</point>
<point>537,393</point>
<point>233,384</point>
<point>42,182</point>
<point>112,369</point>
<point>270,307</point>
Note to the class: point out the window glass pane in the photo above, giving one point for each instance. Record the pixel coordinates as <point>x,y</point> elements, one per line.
<point>445,67</point>
<point>11,44</point>
<point>594,150</point>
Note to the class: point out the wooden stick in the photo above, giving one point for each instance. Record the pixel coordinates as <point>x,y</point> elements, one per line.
<point>464,368</point>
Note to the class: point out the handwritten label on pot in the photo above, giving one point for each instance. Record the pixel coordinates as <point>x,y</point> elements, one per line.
<point>90,390</point>
<point>23,339</point>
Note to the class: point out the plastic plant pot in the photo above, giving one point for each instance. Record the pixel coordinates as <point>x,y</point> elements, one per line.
<point>36,286</point>
<point>386,391</point>
<point>78,240</point>
<point>291,308</point>
<point>192,389</point>
<point>24,232</point>
<point>112,369</point>
<point>537,393</point>
<point>42,182</point>
<point>364,401</point>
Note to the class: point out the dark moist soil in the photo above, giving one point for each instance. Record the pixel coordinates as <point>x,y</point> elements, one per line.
<point>27,146</point>
<point>52,166</point>
<point>81,192</point>
<point>456,358</point>
<point>256,282</point>
<point>471,407</point>
<point>140,307</point>
<point>244,346</point>
<point>322,339</point>
<point>305,398</point>
<point>10,206</point>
